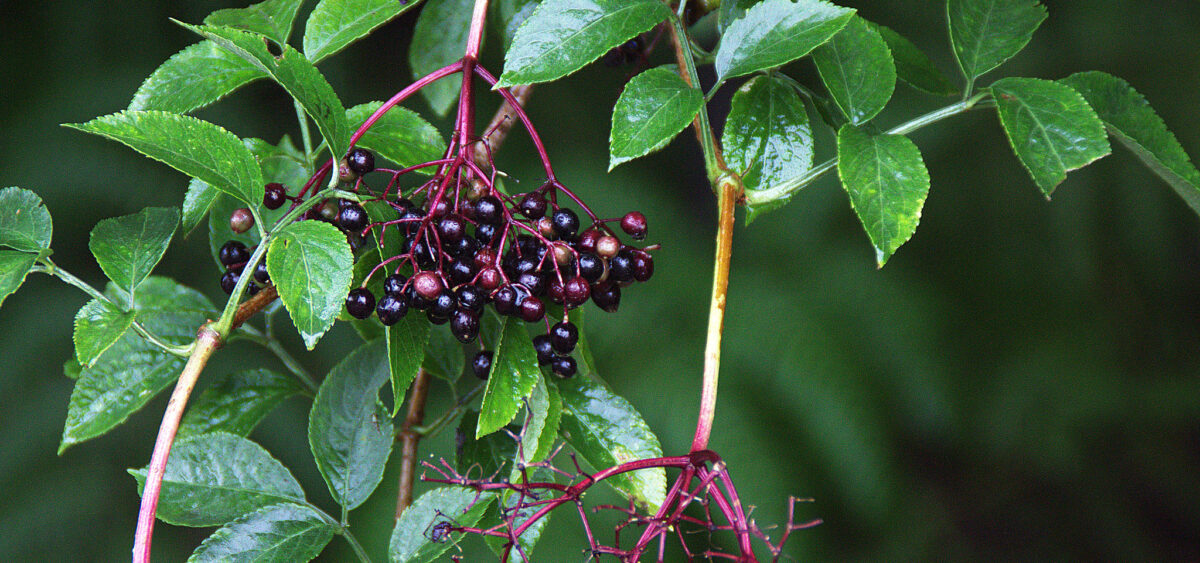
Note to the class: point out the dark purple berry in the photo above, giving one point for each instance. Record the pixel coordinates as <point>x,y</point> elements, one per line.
<point>566,223</point>
<point>486,234</point>
<point>451,228</point>
<point>465,247</point>
<point>460,272</point>
<point>545,350</point>
<point>444,304</point>
<point>436,319</point>
<point>534,282</point>
<point>620,267</point>
<point>533,205</point>
<point>481,364</point>
<point>252,289</point>
<point>489,210</point>
<point>415,300</point>
<point>394,284</point>
<point>634,224</point>
<point>464,324</point>
<point>576,291</point>
<point>563,337</point>
<point>532,310</point>
<point>391,308</point>
<point>241,220</point>
<point>591,267</point>
<point>360,303</point>
<point>352,218</point>
<point>555,291</point>
<point>360,161</point>
<point>643,265</point>
<point>607,296</point>
<point>490,279</point>
<point>563,366</point>
<point>233,253</point>
<point>228,281</point>
<point>472,298</point>
<point>587,240</point>
<point>274,196</point>
<point>425,256</point>
<point>506,300</point>
<point>261,274</point>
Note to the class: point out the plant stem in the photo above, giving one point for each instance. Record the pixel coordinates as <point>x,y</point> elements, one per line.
<point>290,362</point>
<point>409,439</point>
<point>501,124</point>
<point>714,164</point>
<point>305,136</point>
<point>357,547</point>
<point>727,195</point>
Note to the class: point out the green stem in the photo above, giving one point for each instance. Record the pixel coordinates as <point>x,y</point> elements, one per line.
<point>342,529</point>
<point>272,345</point>
<point>430,430</point>
<point>305,136</point>
<point>786,189</point>
<point>712,160</point>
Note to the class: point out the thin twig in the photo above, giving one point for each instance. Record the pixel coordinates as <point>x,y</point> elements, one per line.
<point>410,438</point>
<point>501,124</point>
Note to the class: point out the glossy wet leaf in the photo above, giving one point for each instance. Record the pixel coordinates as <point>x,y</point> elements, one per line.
<point>282,532</point>
<point>334,24</point>
<point>412,537</point>
<point>543,414</point>
<point>214,478</point>
<point>24,221</point>
<point>349,429</point>
<point>295,74</point>
<point>237,402</point>
<point>128,247</point>
<point>14,266</point>
<point>309,262</point>
<point>776,32</point>
<point>133,371</point>
<point>654,107</point>
<point>913,65</point>
<point>561,36</point>
<point>444,357</point>
<point>439,39</point>
<point>606,430</point>
<point>731,10</point>
<point>97,327</point>
<point>198,76</point>
<point>1051,128</point>
<point>856,66</point>
<point>196,148</point>
<point>985,33</point>
<point>406,351</point>
<point>514,374</point>
<point>272,18</point>
<point>1131,121</point>
<point>887,182</point>
<point>400,136</point>
<point>767,136</point>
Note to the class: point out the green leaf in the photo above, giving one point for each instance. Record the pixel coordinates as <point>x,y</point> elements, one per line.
<point>856,66</point>
<point>654,107</point>
<point>767,136</point>
<point>485,455</point>
<point>1051,127</point>
<point>24,221</point>
<point>128,247</point>
<point>14,266</point>
<point>334,24</point>
<point>349,430</point>
<point>196,203</point>
<point>985,33</point>
<point>529,538</point>
<point>606,430</point>
<point>443,356</point>
<point>280,164</point>
<point>237,402</point>
<point>913,65</point>
<point>512,378</point>
<point>510,15</point>
<point>561,36</point>
<point>198,76</point>
<point>459,506</point>
<point>400,135</point>
<point>309,262</point>
<point>272,18</point>
<point>283,532</point>
<point>214,478</point>
<point>439,39</point>
<point>71,368</point>
<point>776,32</point>
<point>97,328</point>
<point>196,148</point>
<point>406,350</point>
<point>887,183</point>
<point>540,428</point>
<point>296,74</point>
<point>732,10</point>
<point>133,371</point>
<point>1131,120</point>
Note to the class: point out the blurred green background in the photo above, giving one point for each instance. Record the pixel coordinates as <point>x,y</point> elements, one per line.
<point>1020,383</point>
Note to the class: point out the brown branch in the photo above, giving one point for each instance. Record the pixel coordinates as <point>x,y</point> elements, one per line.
<point>681,60</point>
<point>502,122</point>
<point>409,439</point>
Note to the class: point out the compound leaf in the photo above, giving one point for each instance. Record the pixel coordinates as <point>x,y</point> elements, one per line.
<point>309,263</point>
<point>776,32</point>
<point>414,538</point>
<point>512,378</point>
<point>857,68</point>
<point>128,247</point>
<point>439,39</point>
<point>985,33</point>
<point>282,532</point>
<point>24,221</point>
<point>237,402</point>
<point>887,182</point>
<point>654,107</point>
<point>334,24</point>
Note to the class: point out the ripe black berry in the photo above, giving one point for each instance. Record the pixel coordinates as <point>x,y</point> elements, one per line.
<point>506,300</point>
<point>489,210</point>
<point>534,282</point>
<point>587,240</point>
<point>532,310</point>
<point>490,279</point>
<point>229,281</point>
<point>260,273</point>
<point>486,233</point>
<point>643,265</point>
<point>471,297</point>
<point>545,350</point>
<point>576,291</point>
<point>451,228</point>
<point>241,220</point>
<point>591,267</point>
<point>360,303</point>
<point>563,337</point>
<point>481,364</point>
<point>352,218</point>
<point>435,319</point>
<point>634,224</point>
<point>566,223</point>
<point>233,253</point>
<point>394,284</point>
<point>607,296</point>
<point>464,324</point>
<point>391,308</point>
<point>274,196</point>
<point>460,272</point>
<point>444,304</point>
<point>620,267</point>
<point>533,205</point>
<point>360,161</point>
<point>563,366</point>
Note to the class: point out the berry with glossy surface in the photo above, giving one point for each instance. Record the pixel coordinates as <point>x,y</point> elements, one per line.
<point>563,337</point>
<point>360,161</point>
<point>394,284</point>
<point>481,364</point>
<point>241,220</point>
<point>444,304</point>
<point>452,228</point>
<point>607,246</point>
<point>642,265</point>
<point>532,310</point>
<point>563,366</point>
<point>352,217</point>
<point>576,291</point>
<point>587,240</point>
<point>391,308</point>
<point>545,350</point>
<point>260,273</point>
<point>360,303</point>
<point>427,284</point>
<point>634,224</point>
<point>591,267</point>
<point>228,281</point>
<point>566,222</point>
<point>472,298</point>
<point>274,196</point>
<point>233,253</point>
<point>620,267</point>
<point>533,205</point>
<point>507,300</point>
<point>607,296</point>
<point>464,324</point>
<point>489,210</point>
<point>490,279</point>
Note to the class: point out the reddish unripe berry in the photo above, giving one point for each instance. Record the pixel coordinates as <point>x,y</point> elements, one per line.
<point>485,258</point>
<point>634,224</point>
<point>576,291</point>
<point>532,310</point>
<point>642,265</point>
<point>587,240</point>
<point>563,254</point>
<point>490,279</point>
<point>546,228</point>
<point>241,220</point>
<point>427,285</point>
<point>555,291</point>
<point>607,296</point>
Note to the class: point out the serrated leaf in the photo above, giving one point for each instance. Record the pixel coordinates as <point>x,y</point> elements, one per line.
<point>411,538</point>
<point>309,263</point>
<point>606,430</point>
<point>128,247</point>
<point>272,18</point>
<point>24,221</point>
<point>280,164</point>
<point>540,429</point>
<point>406,350</point>
<point>439,39</point>
<point>513,375</point>
<point>654,107</point>
<point>731,10</point>
<point>1051,128</point>
<point>856,66</point>
<point>199,75</point>
<point>561,36</point>
<point>913,65</point>
<point>296,74</point>
<point>334,24</point>
<point>767,136</point>
<point>98,327</point>
<point>887,182</point>
<point>237,402</point>
<point>443,356</point>
<point>349,430</point>
<point>400,135</point>
<point>196,148</point>
<point>282,532</point>
<point>529,538</point>
<point>133,371</point>
<point>776,32</point>
<point>14,266</point>
<point>985,33</point>
<point>214,478</point>
<point>1130,119</point>
<point>196,203</point>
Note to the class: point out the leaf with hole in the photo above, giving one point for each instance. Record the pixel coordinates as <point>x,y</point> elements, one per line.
<point>281,532</point>
<point>654,107</point>
<point>309,262</point>
<point>776,32</point>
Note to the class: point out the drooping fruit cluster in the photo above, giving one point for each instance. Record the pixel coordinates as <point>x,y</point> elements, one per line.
<point>234,255</point>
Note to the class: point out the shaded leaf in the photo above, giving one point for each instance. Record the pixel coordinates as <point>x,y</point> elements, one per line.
<point>310,262</point>
<point>542,418</point>
<point>561,36</point>
<point>887,182</point>
<point>334,24</point>
<point>856,66</point>
<point>283,532</point>
<point>196,203</point>
<point>443,356</point>
<point>272,18</point>
<point>767,136</point>
<point>510,15</point>
<point>512,378</point>
<point>484,456</point>
<point>406,351</point>
<point>529,538</point>
<point>1051,128</point>
<point>913,65</point>
<point>237,402</point>
<point>654,107</point>
<point>400,135</point>
<point>349,430</point>
<point>280,164</point>
<point>411,538</point>
<point>731,10</point>
<point>199,75</point>
<point>128,247</point>
<point>14,266</point>
<point>985,33</point>
<point>439,39</point>
<point>98,327</point>
<point>775,32</point>
<point>24,221</point>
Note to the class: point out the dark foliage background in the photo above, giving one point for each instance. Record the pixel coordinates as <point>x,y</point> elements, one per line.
<point>1020,382</point>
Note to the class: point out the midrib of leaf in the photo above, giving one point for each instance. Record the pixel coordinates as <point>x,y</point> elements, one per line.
<point>987,24</point>
<point>352,22</point>
<point>562,42</point>
<point>661,107</point>
<point>1043,133</point>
